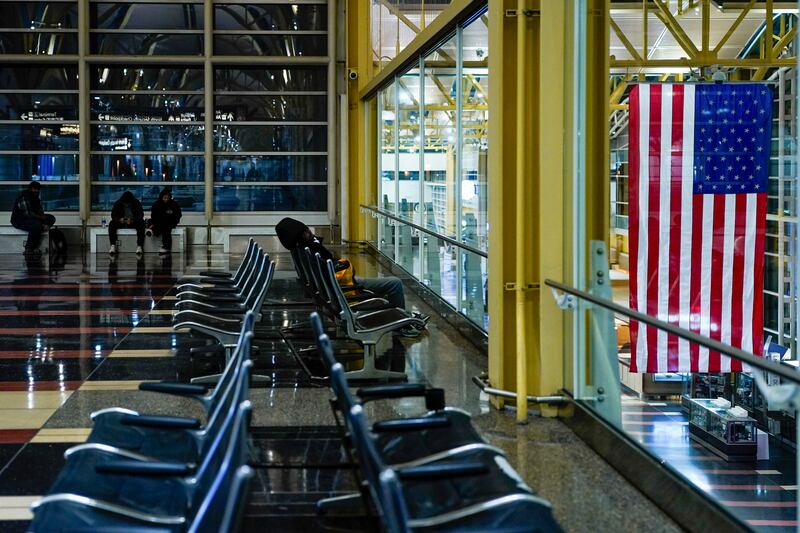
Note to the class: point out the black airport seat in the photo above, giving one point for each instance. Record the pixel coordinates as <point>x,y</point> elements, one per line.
<point>472,492</point>
<point>128,434</point>
<point>368,327</point>
<point>136,495</point>
<point>221,276</point>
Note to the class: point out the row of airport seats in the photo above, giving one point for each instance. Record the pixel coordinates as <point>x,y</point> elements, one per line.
<point>161,473</point>
<point>214,303</point>
<point>428,473</point>
<point>357,313</point>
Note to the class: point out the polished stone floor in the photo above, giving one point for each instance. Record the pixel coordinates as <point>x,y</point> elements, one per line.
<point>763,493</point>
<point>81,336</point>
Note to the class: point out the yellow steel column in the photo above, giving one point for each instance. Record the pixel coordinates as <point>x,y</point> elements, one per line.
<point>501,221</point>
<point>526,200</point>
<point>522,201</point>
<point>598,201</point>
<point>360,132</point>
<point>548,368</point>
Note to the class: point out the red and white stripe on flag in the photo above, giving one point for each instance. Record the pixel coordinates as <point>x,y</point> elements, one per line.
<point>696,260</point>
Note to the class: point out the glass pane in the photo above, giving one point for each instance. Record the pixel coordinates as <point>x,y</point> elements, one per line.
<point>270,17</point>
<point>288,45</point>
<point>53,78</point>
<point>133,137</point>
<point>147,107</point>
<point>189,197</point>
<point>39,15</point>
<point>174,16</point>
<point>146,44</point>
<point>38,42</point>
<point>147,168</point>
<point>439,121</point>
<point>387,194</point>
<point>474,295</point>
<point>266,108</point>
<point>408,91</point>
<point>270,138</point>
<point>44,137</point>
<point>60,197</point>
<point>475,134</point>
<point>40,167</point>
<point>265,198</point>
<point>27,106</point>
<point>271,79</point>
<point>126,78</point>
<point>272,168</point>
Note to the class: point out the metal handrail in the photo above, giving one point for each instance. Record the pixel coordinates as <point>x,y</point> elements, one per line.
<point>432,233</point>
<point>711,344</point>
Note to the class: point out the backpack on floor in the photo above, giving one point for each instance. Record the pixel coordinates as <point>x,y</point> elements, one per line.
<point>58,243</point>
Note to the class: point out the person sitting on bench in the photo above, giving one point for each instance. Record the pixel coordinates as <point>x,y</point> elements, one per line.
<point>164,217</point>
<point>126,213</point>
<point>294,232</point>
<point>28,215</point>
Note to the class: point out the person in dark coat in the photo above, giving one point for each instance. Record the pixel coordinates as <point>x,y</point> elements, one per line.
<point>294,233</point>
<point>165,215</point>
<point>126,213</point>
<point>28,215</point>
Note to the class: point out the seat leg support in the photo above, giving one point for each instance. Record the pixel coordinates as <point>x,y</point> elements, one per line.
<point>368,371</point>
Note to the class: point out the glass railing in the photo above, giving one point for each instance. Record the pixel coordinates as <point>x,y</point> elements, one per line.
<point>731,433</point>
<point>453,270</point>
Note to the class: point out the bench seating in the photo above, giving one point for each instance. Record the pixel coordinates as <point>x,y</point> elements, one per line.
<point>98,240</point>
<point>12,240</point>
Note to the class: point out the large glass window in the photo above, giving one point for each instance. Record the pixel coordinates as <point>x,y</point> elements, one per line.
<point>147,120</point>
<point>147,133</point>
<point>396,22</point>
<point>147,28</point>
<point>433,138</point>
<point>39,133</point>
<point>270,126</point>
<point>275,30</point>
<point>38,28</point>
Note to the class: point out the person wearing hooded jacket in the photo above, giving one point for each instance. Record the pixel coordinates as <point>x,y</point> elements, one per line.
<point>126,213</point>
<point>164,216</point>
<point>28,215</point>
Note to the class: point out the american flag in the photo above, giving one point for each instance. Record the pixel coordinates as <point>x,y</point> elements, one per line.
<point>699,165</point>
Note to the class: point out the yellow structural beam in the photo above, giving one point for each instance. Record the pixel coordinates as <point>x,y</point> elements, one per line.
<point>734,26</point>
<point>675,28</point>
<point>775,51</point>
<point>624,39</point>
<point>704,62</point>
<point>361,136</point>
<point>529,117</point>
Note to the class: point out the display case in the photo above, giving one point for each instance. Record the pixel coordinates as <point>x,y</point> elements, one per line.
<point>731,437</point>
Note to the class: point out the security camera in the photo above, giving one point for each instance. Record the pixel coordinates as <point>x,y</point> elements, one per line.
<point>352,74</point>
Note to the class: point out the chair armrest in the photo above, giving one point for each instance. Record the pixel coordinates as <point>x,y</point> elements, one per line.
<point>211,349</point>
<point>183,389</point>
<point>400,390</point>
<point>443,470</point>
<point>215,274</point>
<point>219,290</point>
<point>138,468</point>
<point>229,311</point>
<point>165,422</point>
<point>217,281</point>
<point>411,424</point>
<point>214,299</point>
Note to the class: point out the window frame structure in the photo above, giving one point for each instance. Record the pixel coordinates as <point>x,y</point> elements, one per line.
<point>86,62</point>
<point>390,238</point>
